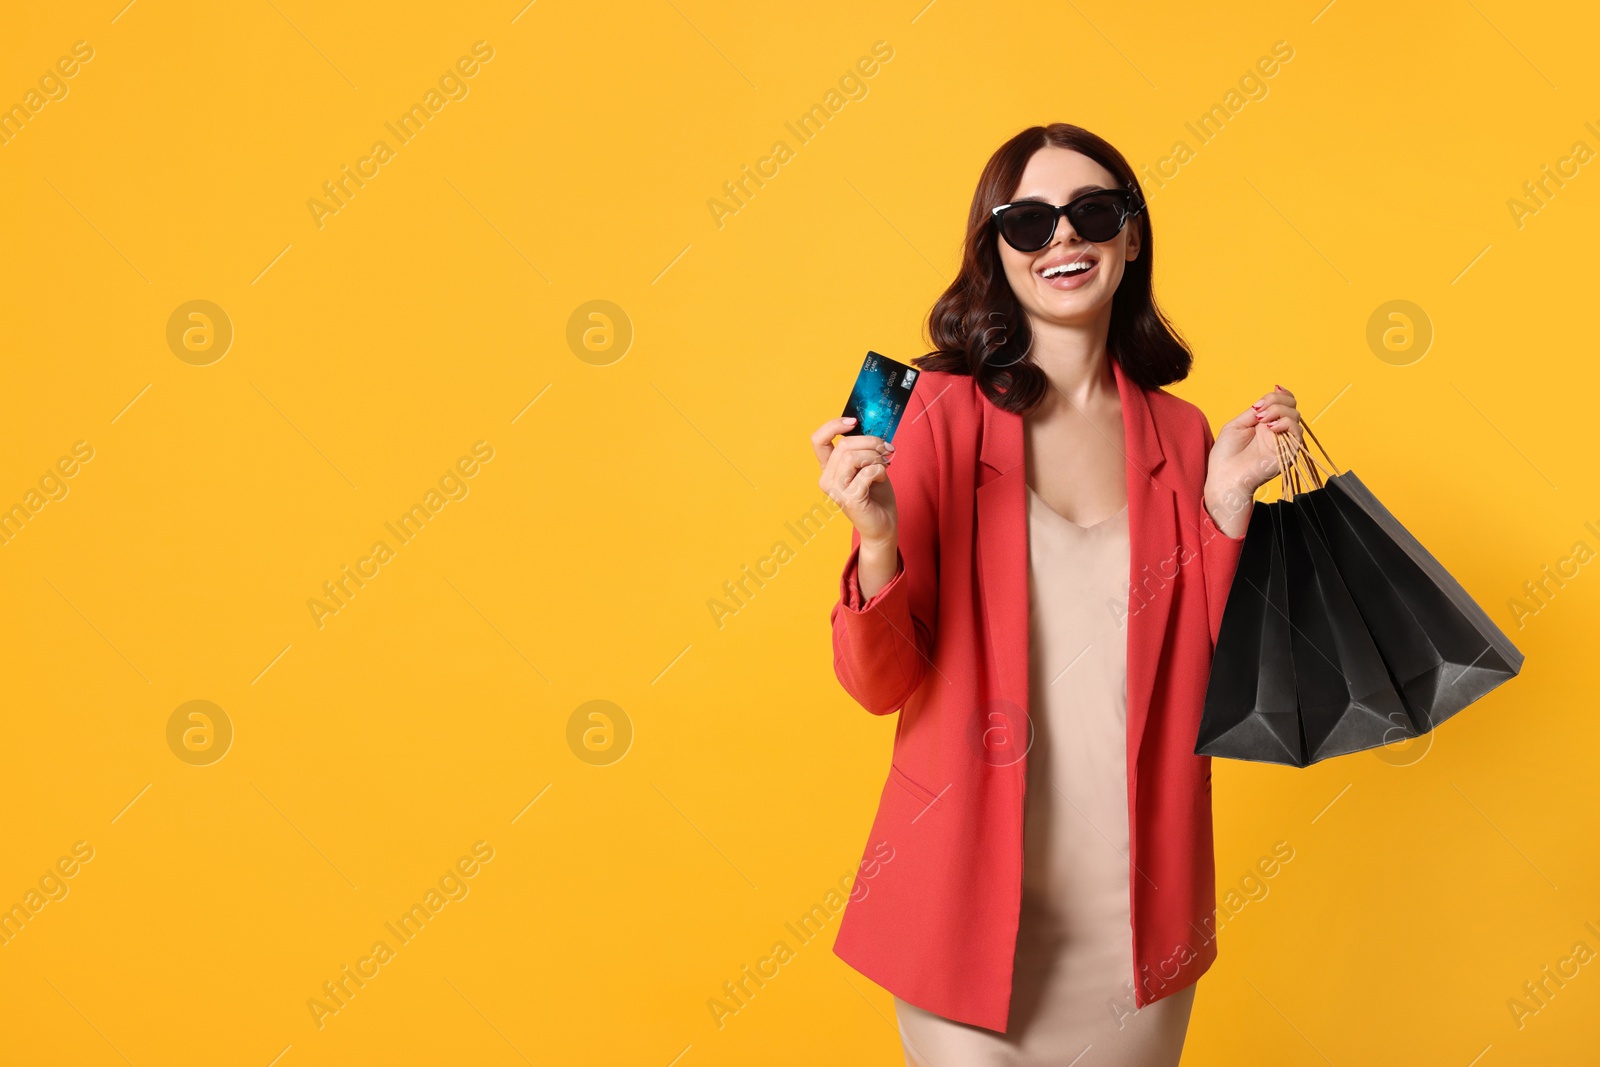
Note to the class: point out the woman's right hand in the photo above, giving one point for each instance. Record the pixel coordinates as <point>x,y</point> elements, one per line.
<point>855,474</point>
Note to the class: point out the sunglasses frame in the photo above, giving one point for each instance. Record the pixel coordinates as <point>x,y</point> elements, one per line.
<point>1132,205</point>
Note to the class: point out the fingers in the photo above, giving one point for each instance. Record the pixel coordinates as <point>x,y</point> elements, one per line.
<point>1246,419</point>
<point>861,484</point>
<point>1276,410</point>
<point>853,455</point>
<point>822,439</point>
<point>1280,414</point>
<point>1279,395</point>
<point>863,448</point>
<point>1281,419</point>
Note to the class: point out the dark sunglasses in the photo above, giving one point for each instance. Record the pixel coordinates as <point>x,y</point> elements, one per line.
<point>1028,225</point>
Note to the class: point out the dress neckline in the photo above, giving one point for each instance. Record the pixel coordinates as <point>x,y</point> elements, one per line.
<point>1075,525</point>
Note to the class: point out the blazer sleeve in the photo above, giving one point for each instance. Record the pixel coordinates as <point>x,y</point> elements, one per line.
<point>1219,553</point>
<point>883,646</point>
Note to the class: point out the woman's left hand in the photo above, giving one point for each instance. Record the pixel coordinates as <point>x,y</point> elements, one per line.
<point>1245,457</point>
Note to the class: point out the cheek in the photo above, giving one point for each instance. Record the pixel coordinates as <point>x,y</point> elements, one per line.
<point>1018,267</point>
<point>1120,261</point>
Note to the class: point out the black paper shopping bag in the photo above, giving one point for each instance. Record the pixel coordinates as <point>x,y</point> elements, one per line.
<point>1383,644</point>
<point>1441,646</point>
<point>1251,709</point>
<point>1348,699</point>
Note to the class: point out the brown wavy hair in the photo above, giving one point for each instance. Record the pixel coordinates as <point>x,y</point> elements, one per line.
<point>977,327</point>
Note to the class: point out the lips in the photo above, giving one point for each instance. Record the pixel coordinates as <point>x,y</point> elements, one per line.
<point>1073,279</point>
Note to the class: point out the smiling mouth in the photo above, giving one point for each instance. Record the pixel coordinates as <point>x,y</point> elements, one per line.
<point>1067,270</point>
<point>1074,274</point>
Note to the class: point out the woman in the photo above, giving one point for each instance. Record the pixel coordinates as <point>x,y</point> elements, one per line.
<point>1037,588</point>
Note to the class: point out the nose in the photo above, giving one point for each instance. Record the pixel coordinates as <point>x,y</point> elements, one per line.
<point>1065,235</point>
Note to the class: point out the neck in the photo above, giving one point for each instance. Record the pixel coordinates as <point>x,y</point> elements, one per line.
<point>1075,359</point>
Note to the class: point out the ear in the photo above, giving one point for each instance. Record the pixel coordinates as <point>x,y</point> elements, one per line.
<point>1135,232</point>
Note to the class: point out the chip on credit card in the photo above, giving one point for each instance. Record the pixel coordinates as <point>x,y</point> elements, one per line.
<point>883,388</point>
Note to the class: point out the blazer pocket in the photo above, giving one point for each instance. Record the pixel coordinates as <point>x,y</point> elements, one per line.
<point>920,792</point>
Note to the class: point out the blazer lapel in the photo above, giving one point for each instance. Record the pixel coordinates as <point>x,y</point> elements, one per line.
<point>1154,556</point>
<point>1002,539</point>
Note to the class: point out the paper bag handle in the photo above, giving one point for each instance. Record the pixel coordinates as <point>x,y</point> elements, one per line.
<point>1292,457</point>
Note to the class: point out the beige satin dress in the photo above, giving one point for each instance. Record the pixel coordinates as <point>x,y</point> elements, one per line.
<point>1072,994</point>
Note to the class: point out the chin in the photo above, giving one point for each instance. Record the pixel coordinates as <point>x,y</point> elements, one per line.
<point>1071,309</point>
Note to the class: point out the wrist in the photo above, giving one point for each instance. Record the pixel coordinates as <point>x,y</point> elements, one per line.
<point>876,566</point>
<point>880,546</point>
<point>1229,507</point>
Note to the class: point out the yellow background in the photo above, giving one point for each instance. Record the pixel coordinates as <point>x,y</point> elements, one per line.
<point>428,314</point>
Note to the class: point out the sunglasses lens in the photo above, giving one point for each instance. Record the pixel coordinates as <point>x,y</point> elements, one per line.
<point>1097,218</point>
<point>1028,227</point>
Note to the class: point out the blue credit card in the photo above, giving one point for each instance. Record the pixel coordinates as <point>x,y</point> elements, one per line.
<point>883,388</point>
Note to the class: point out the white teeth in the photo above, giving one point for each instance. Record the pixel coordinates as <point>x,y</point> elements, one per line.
<point>1076,267</point>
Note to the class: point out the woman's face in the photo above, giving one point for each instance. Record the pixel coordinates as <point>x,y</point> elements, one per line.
<point>1058,175</point>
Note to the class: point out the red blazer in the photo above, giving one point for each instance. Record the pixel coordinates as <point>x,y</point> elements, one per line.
<point>933,916</point>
